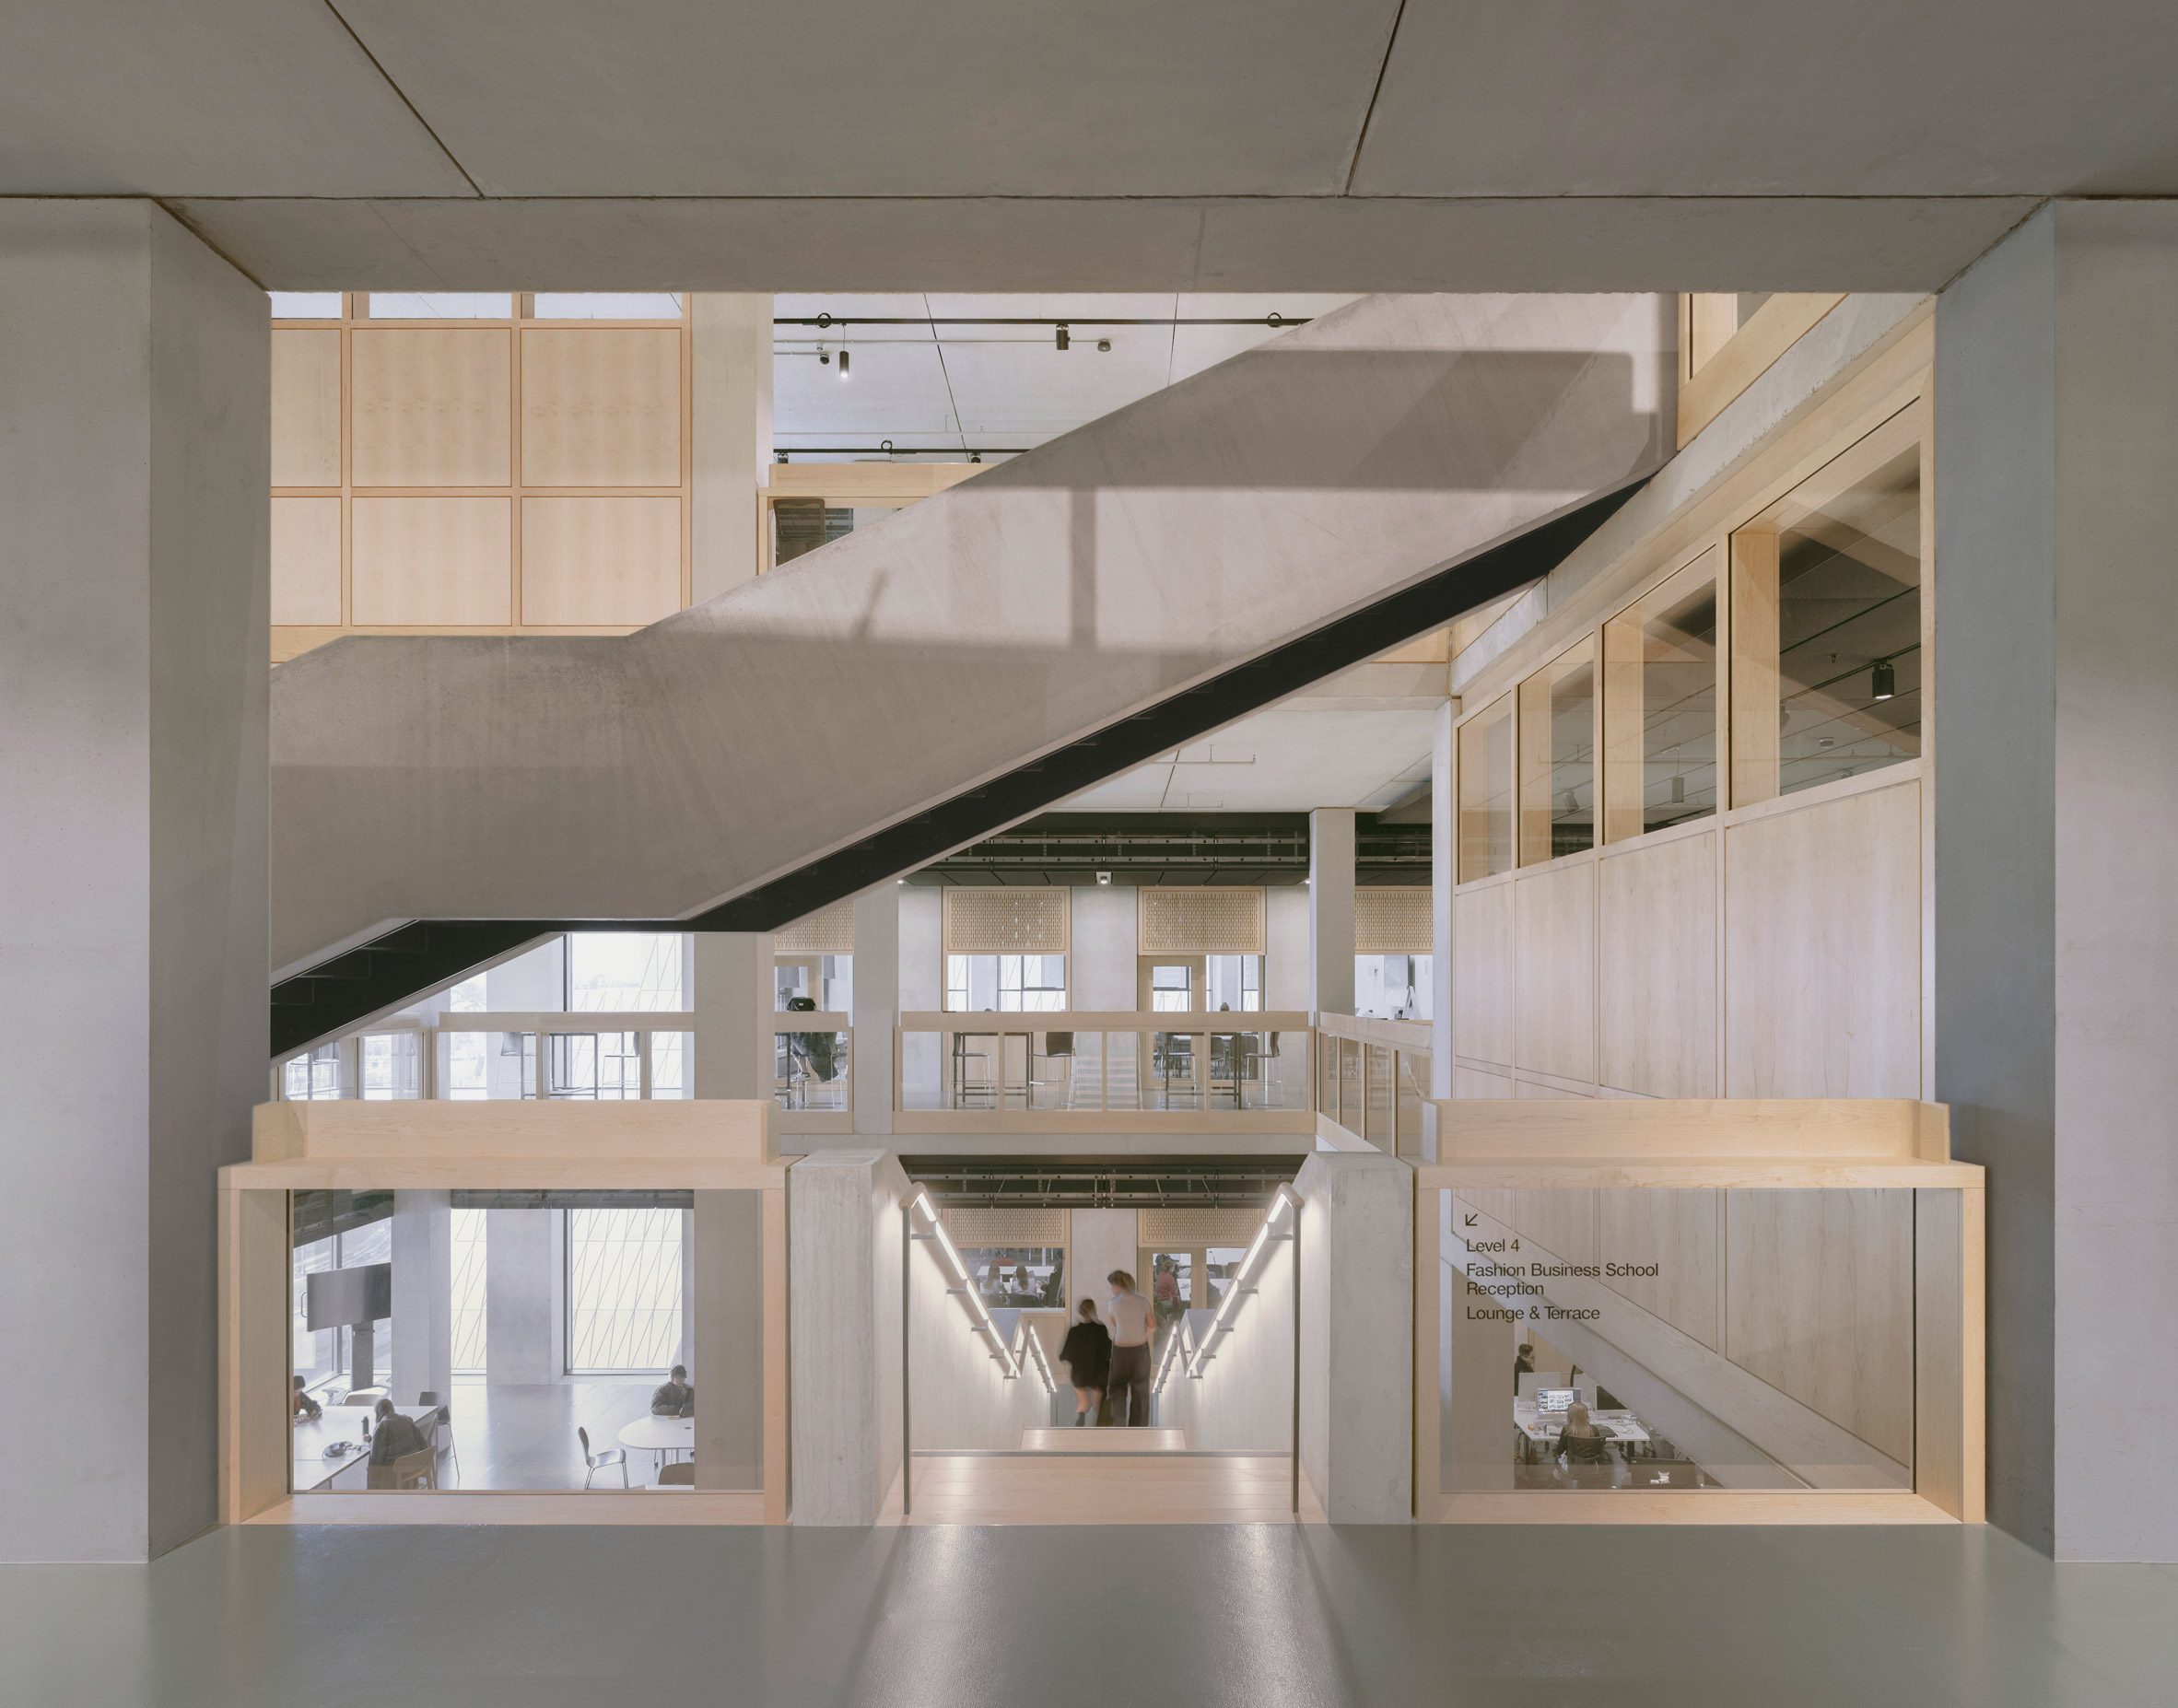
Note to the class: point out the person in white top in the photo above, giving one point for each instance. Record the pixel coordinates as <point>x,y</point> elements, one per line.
<point>1131,1322</point>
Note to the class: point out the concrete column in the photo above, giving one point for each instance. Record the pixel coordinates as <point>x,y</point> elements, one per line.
<point>876,1009</point>
<point>1444,871</point>
<point>1102,969</point>
<point>1357,1343</point>
<point>423,1295</point>
<point>525,1296</point>
<point>2056,921</point>
<point>1099,1241</point>
<point>134,587</point>
<point>731,406</point>
<point>732,998</point>
<point>1330,910</point>
<point>845,1354</point>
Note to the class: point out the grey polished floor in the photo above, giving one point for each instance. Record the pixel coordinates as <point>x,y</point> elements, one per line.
<point>1257,1618</point>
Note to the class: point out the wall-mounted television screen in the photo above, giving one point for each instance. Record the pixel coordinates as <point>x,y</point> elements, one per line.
<point>337,1298</point>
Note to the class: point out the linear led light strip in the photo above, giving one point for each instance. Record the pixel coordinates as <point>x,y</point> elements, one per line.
<point>1026,1331</point>
<point>978,1318</point>
<point>1172,1354</point>
<point>1229,1307</point>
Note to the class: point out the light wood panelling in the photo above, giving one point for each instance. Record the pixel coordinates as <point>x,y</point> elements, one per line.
<point>1950,1351</point>
<point>431,407</point>
<point>541,1132</point>
<point>1822,949</point>
<point>599,560</point>
<point>1469,1083</point>
<point>1655,968</point>
<point>254,1289</point>
<point>582,1506</point>
<point>1561,1219</point>
<point>1723,368</point>
<point>306,409</point>
<point>1539,1088</point>
<point>306,560</point>
<point>1819,1303</point>
<point>441,562</point>
<point>1482,974</point>
<point>600,407</point>
<point>1741,1506</point>
<point>1554,946</point>
<point>1678,1232</point>
<point>1891,1130</point>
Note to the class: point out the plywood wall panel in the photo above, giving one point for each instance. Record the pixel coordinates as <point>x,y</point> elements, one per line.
<point>600,407</point>
<point>600,561</point>
<point>1560,1220</point>
<point>1818,1302</point>
<point>1554,942</point>
<point>306,408</point>
<point>1482,974</point>
<point>1655,968</point>
<point>440,562</point>
<point>1676,1230</point>
<point>1822,949</point>
<point>431,406</point>
<point>306,560</point>
<point>1474,1082</point>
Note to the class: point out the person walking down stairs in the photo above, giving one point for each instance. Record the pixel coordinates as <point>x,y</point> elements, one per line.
<point>1087,1355</point>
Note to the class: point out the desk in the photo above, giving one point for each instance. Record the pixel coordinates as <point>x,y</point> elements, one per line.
<point>314,1473</point>
<point>1540,1429</point>
<point>660,1435</point>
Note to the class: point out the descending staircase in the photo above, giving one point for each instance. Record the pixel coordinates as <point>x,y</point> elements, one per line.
<point>915,686</point>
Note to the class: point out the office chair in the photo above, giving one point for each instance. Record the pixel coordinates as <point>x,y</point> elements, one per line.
<point>442,1431</point>
<point>599,1461</point>
<point>682,1475</point>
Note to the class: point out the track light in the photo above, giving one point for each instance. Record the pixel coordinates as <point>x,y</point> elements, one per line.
<point>1104,346</point>
<point>823,356</point>
<point>975,456</point>
<point>843,364</point>
<point>1882,680</point>
<point>1065,338</point>
<point>1677,789</point>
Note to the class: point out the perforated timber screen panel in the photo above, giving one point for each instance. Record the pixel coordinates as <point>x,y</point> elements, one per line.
<point>1198,922</point>
<point>828,930</point>
<point>1006,921</point>
<point>1391,921</point>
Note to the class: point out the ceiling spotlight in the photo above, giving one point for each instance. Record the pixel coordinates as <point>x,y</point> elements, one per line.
<point>824,355</point>
<point>1104,879</point>
<point>843,364</point>
<point>975,456</point>
<point>1104,346</point>
<point>1882,680</point>
<point>1065,338</point>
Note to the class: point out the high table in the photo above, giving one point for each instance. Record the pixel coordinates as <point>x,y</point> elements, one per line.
<point>1540,1428</point>
<point>314,1473</point>
<point>660,1435</point>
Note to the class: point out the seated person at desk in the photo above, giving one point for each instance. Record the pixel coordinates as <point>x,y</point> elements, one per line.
<point>675,1398</point>
<point>1580,1442</point>
<point>303,1405</point>
<point>392,1436</point>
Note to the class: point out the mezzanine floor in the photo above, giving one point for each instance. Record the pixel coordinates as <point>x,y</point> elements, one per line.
<point>1254,1615</point>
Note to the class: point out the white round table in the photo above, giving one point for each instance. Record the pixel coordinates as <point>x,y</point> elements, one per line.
<point>660,1435</point>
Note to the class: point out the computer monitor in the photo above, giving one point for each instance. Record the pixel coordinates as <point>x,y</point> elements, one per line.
<point>1556,1398</point>
<point>1533,1382</point>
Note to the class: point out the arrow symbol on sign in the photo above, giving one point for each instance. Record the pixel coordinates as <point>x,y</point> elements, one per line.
<point>1470,1219</point>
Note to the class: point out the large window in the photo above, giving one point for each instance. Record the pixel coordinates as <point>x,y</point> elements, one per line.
<point>1558,758</point>
<point>624,1290</point>
<point>625,972</point>
<point>467,1237</point>
<point>1392,986</point>
<point>1005,984</point>
<point>1660,706</point>
<point>312,1077</point>
<point>1486,792</point>
<point>362,1237</point>
<point>391,1065</point>
<point>1826,623</point>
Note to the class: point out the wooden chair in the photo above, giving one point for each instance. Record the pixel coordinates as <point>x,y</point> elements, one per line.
<point>441,1430</point>
<point>683,1474</point>
<point>411,1470</point>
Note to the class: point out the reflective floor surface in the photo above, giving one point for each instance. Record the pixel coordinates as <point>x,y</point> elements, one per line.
<point>1254,1616</point>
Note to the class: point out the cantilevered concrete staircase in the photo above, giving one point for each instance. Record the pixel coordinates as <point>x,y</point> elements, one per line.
<point>917,685</point>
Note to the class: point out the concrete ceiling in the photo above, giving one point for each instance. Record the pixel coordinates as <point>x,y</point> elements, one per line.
<point>1360,739</point>
<point>1115,144</point>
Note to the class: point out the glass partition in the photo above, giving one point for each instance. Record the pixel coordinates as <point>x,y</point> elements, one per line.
<point>810,1071</point>
<point>1660,706</point>
<point>1137,1070</point>
<point>1558,758</point>
<point>1486,791</point>
<point>520,1340</point>
<point>1826,623</point>
<point>1643,1339</point>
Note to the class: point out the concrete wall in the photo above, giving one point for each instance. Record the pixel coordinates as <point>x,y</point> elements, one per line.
<point>1243,1402</point>
<point>1099,1241</point>
<point>962,1396</point>
<point>1052,595</point>
<point>1357,1341</point>
<point>1285,943</point>
<point>423,1295</point>
<point>2056,697</point>
<point>1101,970</point>
<point>134,383</point>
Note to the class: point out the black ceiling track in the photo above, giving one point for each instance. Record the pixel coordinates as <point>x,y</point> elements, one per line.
<point>353,986</point>
<point>1115,1183</point>
<point>1207,848</point>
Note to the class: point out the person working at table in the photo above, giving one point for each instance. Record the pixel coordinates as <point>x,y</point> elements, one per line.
<point>674,1397</point>
<point>1128,1315</point>
<point>392,1436</point>
<point>303,1405</point>
<point>1580,1442</point>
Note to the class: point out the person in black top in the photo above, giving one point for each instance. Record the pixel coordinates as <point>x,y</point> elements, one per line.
<point>1523,1364</point>
<point>674,1398</point>
<point>1087,1354</point>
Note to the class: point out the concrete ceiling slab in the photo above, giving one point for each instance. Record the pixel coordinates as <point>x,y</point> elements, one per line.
<point>1294,244</point>
<point>852,98</point>
<point>1728,98</point>
<point>267,98</point>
